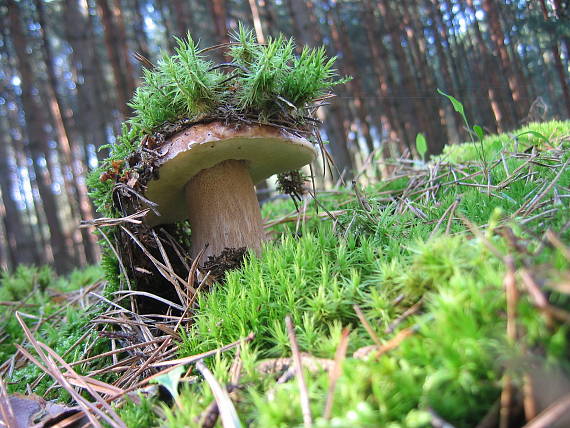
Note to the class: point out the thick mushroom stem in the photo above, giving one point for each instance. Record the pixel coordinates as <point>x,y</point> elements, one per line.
<point>223,210</point>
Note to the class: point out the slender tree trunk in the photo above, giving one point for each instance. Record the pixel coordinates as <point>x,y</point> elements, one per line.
<point>562,12</point>
<point>557,58</point>
<point>220,16</point>
<point>501,113</point>
<point>117,50</point>
<point>141,37</point>
<point>335,117</point>
<point>86,77</point>
<point>439,34</point>
<point>342,44</point>
<point>383,73</point>
<point>416,120</point>
<point>182,16</point>
<point>304,24</point>
<point>17,243</point>
<point>498,38</point>
<point>257,21</point>
<point>38,142</point>
<point>437,135</point>
<point>77,190</point>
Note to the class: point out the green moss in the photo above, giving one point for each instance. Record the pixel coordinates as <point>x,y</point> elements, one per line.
<point>38,288</point>
<point>385,261</point>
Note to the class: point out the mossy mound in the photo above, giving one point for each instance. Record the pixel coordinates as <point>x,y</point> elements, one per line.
<point>427,257</point>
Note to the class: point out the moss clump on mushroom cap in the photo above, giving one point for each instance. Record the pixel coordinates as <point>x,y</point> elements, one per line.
<point>261,83</point>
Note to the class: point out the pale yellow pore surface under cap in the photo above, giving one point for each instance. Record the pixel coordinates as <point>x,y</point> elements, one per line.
<point>267,150</point>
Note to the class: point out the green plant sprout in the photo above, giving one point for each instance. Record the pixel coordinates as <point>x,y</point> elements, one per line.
<point>458,107</point>
<point>421,145</point>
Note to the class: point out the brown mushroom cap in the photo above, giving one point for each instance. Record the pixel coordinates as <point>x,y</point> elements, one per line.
<point>267,150</point>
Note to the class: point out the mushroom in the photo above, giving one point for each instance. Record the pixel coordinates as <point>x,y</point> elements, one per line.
<point>207,175</point>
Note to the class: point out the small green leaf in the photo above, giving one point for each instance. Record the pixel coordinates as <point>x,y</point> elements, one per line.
<point>534,133</point>
<point>479,131</point>
<point>456,104</point>
<point>170,381</point>
<point>421,145</point>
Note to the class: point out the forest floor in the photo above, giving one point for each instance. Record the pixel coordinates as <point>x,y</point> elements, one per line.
<point>437,297</point>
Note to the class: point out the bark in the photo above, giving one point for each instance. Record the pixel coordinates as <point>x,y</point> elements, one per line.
<point>16,244</point>
<point>557,57</point>
<point>355,86</point>
<point>86,74</point>
<point>498,38</point>
<point>416,120</point>
<point>439,34</point>
<point>183,18</point>
<point>386,81</point>
<point>220,16</point>
<point>76,189</point>
<point>304,23</point>
<point>493,84</point>
<point>562,12</point>
<point>257,21</point>
<point>117,50</point>
<point>141,37</point>
<point>334,116</point>
<point>36,125</point>
<point>437,137</point>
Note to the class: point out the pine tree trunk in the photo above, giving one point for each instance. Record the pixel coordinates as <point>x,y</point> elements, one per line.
<point>439,34</point>
<point>383,73</point>
<point>342,44</point>
<point>335,115</point>
<point>502,114</point>
<point>256,17</point>
<point>556,54</point>
<point>415,118</point>
<point>76,188</point>
<point>36,125</point>
<point>182,16</point>
<point>497,36</point>
<point>220,16</point>
<point>436,133</point>
<point>16,240</point>
<point>87,78</point>
<point>117,49</point>
<point>304,24</point>
<point>141,37</point>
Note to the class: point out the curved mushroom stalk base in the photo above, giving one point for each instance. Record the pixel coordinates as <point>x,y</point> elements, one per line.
<point>223,210</point>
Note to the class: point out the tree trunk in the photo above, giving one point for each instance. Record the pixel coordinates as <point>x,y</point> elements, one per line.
<point>257,21</point>
<point>141,37</point>
<point>498,38</point>
<point>77,190</point>
<point>183,18</point>
<point>115,41</point>
<point>342,44</point>
<point>220,16</point>
<point>498,105</point>
<point>38,142</point>
<point>17,243</point>
<point>439,33</point>
<point>304,24</point>
<point>556,54</point>
<point>436,133</point>
<point>87,78</point>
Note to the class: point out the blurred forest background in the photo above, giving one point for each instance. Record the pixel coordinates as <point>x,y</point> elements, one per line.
<point>69,67</point>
